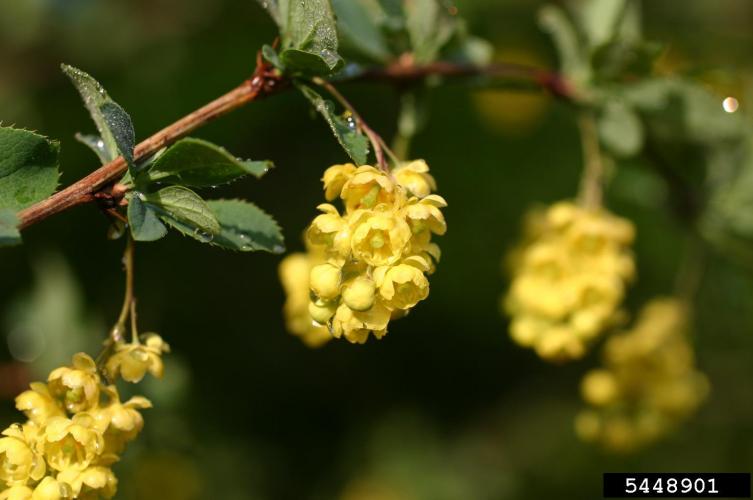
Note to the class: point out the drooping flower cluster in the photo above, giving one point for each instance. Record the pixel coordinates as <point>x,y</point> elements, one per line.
<point>568,279</point>
<point>376,255</point>
<point>77,427</point>
<point>648,383</point>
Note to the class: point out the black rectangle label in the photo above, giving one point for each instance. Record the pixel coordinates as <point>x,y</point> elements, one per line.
<point>676,485</point>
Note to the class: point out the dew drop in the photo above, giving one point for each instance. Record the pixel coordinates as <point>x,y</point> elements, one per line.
<point>730,104</point>
<point>203,235</point>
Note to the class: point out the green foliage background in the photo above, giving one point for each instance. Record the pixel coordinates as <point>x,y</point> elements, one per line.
<point>445,407</point>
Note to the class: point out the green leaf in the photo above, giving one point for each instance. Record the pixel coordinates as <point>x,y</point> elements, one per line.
<point>185,211</point>
<point>28,168</point>
<point>620,129</point>
<point>271,55</point>
<point>349,137</point>
<point>198,163</point>
<point>573,57</point>
<point>144,220</point>
<point>728,218</point>
<point>358,28</point>
<point>245,227</point>
<point>429,27</point>
<point>113,123</point>
<point>309,36</point>
<point>618,60</point>
<point>9,234</point>
<point>599,20</point>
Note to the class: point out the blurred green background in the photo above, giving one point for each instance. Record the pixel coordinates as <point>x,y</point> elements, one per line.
<point>445,406</point>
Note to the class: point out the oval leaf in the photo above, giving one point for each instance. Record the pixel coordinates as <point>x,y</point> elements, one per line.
<point>143,220</point>
<point>198,163</point>
<point>113,123</point>
<point>245,227</point>
<point>185,211</point>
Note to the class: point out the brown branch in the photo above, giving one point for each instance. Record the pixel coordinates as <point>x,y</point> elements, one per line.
<point>263,83</point>
<point>519,75</point>
<point>267,81</point>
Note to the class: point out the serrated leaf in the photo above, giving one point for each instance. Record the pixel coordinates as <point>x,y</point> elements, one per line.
<point>199,163</point>
<point>353,142</point>
<point>245,227</point>
<point>186,211</point>
<point>358,28</point>
<point>429,28</point>
<point>113,123</point>
<point>9,234</point>
<point>143,220</point>
<point>309,37</point>
<point>620,129</point>
<point>28,168</point>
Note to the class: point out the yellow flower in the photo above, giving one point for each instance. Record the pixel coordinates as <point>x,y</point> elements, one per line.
<point>51,489</point>
<point>334,179</point>
<point>325,281</point>
<point>131,361</point>
<point>367,188</point>
<point>426,214</point>
<point>294,271</point>
<point>359,293</point>
<point>401,286</point>
<point>119,422</point>
<point>19,462</point>
<point>16,493</point>
<point>38,404</point>
<point>326,226</point>
<point>71,443</point>
<point>77,386</point>
<point>379,237</point>
<point>414,176</point>
<point>355,326</point>
<point>91,483</point>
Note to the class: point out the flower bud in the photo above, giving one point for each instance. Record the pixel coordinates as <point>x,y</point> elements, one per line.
<point>325,281</point>
<point>321,312</point>
<point>359,294</point>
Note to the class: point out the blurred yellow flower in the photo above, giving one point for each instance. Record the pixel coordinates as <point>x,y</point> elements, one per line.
<point>648,383</point>
<point>295,271</point>
<point>569,277</point>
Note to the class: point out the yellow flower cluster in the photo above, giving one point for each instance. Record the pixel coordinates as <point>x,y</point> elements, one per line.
<point>648,384</point>
<point>568,279</point>
<point>77,427</point>
<point>370,263</point>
